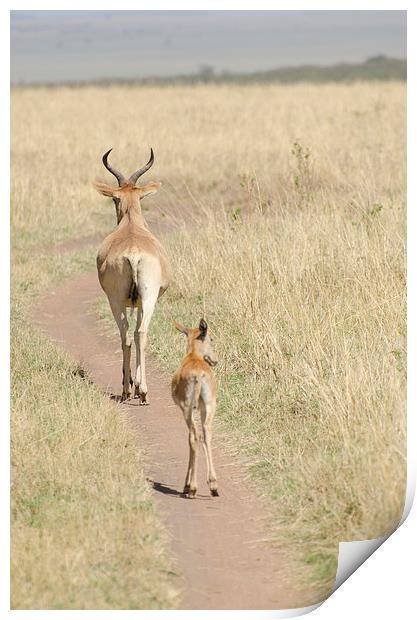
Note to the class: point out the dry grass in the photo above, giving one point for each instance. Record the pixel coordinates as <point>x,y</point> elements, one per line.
<point>84,530</point>
<point>209,143</point>
<point>309,327</point>
<point>283,212</point>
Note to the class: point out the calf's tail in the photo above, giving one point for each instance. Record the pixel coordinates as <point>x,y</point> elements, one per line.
<point>196,394</point>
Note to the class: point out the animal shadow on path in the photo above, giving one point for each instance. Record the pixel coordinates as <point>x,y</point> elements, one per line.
<point>117,398</point>
<point>166,490</point>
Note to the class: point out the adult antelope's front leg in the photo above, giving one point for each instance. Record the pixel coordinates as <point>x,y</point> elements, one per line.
<point>120,316</point>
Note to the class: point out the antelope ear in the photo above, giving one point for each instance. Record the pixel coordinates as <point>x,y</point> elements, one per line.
<point>203,327</point>
<point>180,327</point>
<point>103,188</point>
<point>147,190</point>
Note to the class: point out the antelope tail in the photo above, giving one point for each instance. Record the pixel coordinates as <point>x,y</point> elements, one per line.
<point>196,394</point>
<point>134,291</point>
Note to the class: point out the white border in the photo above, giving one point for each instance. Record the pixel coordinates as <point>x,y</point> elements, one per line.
<point>377,587</point>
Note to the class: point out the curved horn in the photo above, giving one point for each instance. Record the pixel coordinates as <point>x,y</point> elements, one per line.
<point>119,176</point>
<point>139,173</point>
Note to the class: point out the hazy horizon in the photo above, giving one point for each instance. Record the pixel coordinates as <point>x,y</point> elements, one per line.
<point>54,46</point>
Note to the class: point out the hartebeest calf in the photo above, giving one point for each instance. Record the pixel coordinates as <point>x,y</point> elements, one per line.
<point>133,270</point>
<point>194,390</point>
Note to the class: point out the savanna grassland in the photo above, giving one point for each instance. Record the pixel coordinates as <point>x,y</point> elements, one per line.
<point>283,212</point>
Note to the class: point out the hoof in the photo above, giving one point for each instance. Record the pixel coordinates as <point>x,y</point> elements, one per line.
<point>214,492</point>
<point>143,396</point>
<point>124,396</point>
<point>144,400</point>
<point>186,489</point>
<point>191,493</point>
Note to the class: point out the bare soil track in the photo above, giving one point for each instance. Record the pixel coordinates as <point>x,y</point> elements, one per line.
<point>223,559</point>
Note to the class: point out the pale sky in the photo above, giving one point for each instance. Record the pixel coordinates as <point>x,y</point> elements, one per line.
<point>49,46</point>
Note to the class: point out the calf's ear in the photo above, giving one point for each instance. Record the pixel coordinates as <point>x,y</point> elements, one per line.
<point>203,329</point>
<point>180,328</point>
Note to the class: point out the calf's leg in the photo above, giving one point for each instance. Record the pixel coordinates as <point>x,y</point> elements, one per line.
<point>190,486</point>
<point>207,411</point>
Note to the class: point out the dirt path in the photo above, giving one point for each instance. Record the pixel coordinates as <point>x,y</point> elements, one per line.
<point>217,542</point>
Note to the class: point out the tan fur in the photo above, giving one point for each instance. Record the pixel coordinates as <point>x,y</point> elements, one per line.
<point>129,260</point>
<point>194,391</point>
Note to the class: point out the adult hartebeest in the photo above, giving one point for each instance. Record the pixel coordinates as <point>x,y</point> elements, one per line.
<point>132,268</point>
<point>194,390</point>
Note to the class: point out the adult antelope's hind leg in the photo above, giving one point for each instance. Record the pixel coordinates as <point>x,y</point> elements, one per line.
<point>137,347</point>
<point>149,295</point>
<point>120,316</point>
<point>207,411</point>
